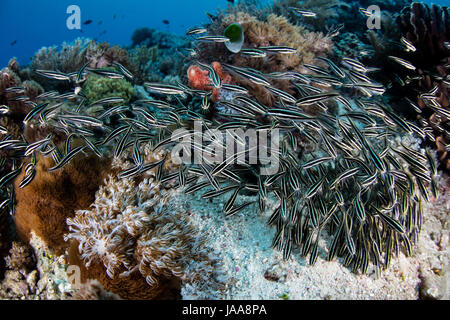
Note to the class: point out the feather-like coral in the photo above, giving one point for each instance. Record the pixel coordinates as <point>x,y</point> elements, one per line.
<point>136,239</point>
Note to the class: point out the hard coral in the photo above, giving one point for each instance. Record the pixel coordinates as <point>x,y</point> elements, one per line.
<point>427,28</point>
<point>21,257</point>
<point>44,205</point>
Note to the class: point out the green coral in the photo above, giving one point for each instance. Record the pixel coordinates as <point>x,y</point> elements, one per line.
<point>97,88</point>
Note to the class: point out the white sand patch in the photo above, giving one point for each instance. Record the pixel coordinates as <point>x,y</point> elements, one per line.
<point>243,243</point>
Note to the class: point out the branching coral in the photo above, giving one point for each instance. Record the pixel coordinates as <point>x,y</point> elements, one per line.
<point>44,205</point>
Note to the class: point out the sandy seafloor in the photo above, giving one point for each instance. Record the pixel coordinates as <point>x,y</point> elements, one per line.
<point>253,270</point>
<point>244,240</point>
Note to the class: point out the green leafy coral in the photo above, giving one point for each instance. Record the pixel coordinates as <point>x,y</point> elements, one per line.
<point>97,87</point>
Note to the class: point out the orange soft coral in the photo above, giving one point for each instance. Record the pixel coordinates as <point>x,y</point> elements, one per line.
<point>199,78</point>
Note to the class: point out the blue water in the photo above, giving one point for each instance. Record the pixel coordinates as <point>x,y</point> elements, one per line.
<point>32,24</point>
<point>37,23</point>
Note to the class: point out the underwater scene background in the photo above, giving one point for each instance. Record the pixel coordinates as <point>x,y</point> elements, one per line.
<point>224,149</point>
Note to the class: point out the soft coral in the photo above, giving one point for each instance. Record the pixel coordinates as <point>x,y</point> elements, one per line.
<point>199,78</point>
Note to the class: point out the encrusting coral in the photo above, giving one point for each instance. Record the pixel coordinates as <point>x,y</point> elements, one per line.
<point>44,205</point>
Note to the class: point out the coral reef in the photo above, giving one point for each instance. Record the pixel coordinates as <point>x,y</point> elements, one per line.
<point>427,28</point>
<point>93,290</point>
<point>69,58</point>
<point>351,171</point>
<point>143,58</point>
<point>6,235</point>
<point>133,243</point>
<point>46,280</point>
<point>157,55</point>
<point>199,79</point>
<point>21,258</point>
<point>72,56</point>
<point>274,31</point>
<point>151,37</point>
<point>17,95</point>
<point>44,205</point>
<point>326,11</point>
<point>96,88</point>
<point>101,55</point>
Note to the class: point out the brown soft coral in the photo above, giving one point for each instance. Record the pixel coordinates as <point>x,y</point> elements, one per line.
<point>44,205</point>
<point>278,31</point>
